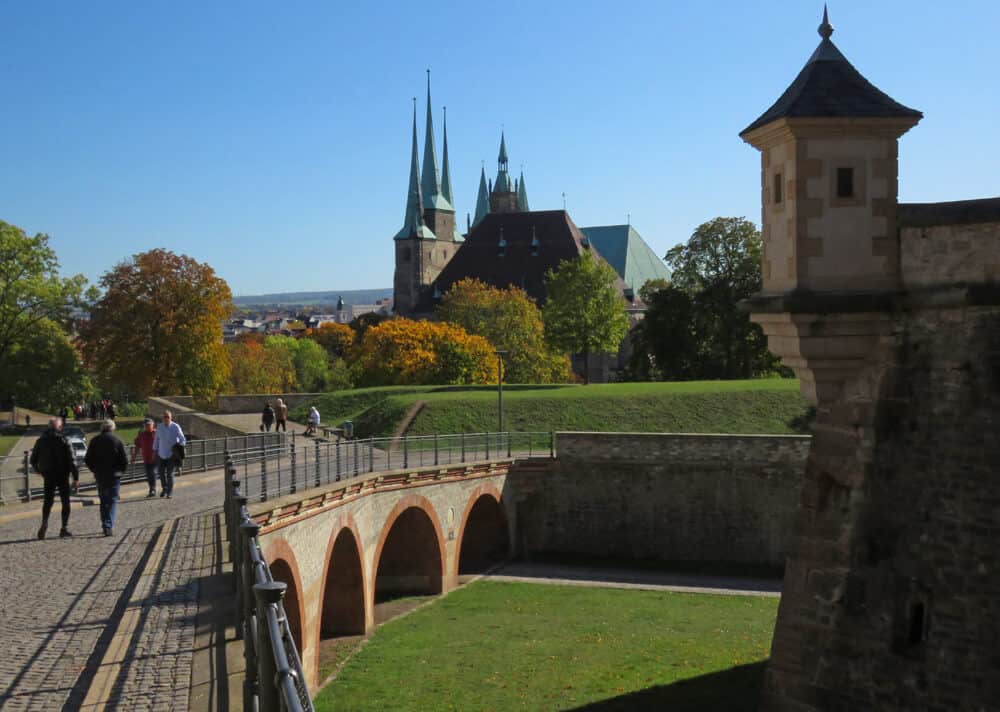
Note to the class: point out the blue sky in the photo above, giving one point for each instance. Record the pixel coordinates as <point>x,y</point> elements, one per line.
<point>272,140</point>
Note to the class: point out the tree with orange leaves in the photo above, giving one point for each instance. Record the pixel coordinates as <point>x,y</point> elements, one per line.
<point>156,329</point>
<point>406,352</point>
<point>335,338</point>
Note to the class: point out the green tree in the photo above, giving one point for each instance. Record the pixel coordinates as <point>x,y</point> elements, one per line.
<point>584,313</point>
<point>695,328</point>
<point>308,359</point>
<point>44,370</point>
<point>156,329</point>
<point>31,290</point>
<point>509,320</point>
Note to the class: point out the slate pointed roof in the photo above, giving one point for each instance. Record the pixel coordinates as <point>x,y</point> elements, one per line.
<point>429,184</point>
<point>413,219</point>
<point>482,200</point>
<point>523,264</point>
<point>445,170</point>
<point>830,87</point>
<point>625,250</point>
<point>522,194</point>
<point>502,157</point>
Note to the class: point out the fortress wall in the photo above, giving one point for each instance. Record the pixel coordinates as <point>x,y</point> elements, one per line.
<point>950,243</point>
<point>679,498</point>
<point>253,403</point>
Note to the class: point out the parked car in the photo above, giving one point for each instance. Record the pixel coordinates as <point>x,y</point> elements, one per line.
<point>78,440</point>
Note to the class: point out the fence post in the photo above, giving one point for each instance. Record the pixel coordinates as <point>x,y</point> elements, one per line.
<point>244,573</point>
<point>463,446</point>
<point>436,457</point>
<point>486,439</point>
<point>406,453</point>
<point>371,454</point>
<point>357,459</point>
<point>552,444</point>
<point>319,471</point>
<point>27,475</point>
<point>336,474</point>
<point>291,458</point>
<point>508,443</point>
<point>267,595</point>
<point>263,478</point>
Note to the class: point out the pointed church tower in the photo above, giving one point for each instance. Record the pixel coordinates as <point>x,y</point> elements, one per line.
<point>438,210</point>
<point>427,240</point>
<point>483,199</point>
<point>503,195</point>
<point>446,180</point>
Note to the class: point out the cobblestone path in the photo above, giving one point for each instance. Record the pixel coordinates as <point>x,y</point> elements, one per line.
<point>96,622</point>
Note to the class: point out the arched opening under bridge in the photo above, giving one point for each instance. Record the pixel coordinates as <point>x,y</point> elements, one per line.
<point>410,562</point>
<point>485,537</point>
<point>281,570</point>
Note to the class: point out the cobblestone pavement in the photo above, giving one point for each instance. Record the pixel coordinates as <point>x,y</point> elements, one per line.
<point>96,622</point>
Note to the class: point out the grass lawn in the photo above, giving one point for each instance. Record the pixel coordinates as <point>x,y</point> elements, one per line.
<point>502,646</point>
<point>7,443</point>
<point>772,406</point>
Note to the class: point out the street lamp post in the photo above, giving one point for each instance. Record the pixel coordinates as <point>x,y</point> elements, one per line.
<point>500,355</point>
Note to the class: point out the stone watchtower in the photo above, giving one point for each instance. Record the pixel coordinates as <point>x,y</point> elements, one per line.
<point>428,238</point>
<point>890,317</point>
<point>829,191</point>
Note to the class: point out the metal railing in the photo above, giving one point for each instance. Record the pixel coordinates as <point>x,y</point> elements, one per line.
<point>273,679</point>
<point>18,482</point>
<point>270,471</point>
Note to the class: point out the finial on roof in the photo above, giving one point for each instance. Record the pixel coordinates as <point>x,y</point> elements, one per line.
<point>825,28</point>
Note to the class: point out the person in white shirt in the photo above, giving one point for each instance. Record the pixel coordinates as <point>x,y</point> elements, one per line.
<point>168,434</point>
<point>313,421</point>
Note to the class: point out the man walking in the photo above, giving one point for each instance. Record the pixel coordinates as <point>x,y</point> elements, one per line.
<point>106,458</point>
<point>281,413</point>
<point>168,434</point>
<point>267,418</point>
<point>53,457</point>
<point>144,444</point>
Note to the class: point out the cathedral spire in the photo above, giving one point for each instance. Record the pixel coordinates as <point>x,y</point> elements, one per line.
<point>445,169</point>
<point>483,200</point>
<point>503,182</point>
<point>429,183</point>
<point>413,219</point>
<point>522,194</point>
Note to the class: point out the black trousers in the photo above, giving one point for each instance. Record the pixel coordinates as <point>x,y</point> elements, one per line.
<point>53,483</point>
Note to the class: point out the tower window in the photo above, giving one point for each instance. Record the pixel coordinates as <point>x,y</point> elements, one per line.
<point>845,182</point>
<point>778,189</point>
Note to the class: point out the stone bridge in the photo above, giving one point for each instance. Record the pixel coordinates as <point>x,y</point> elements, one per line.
<point>344,547</point>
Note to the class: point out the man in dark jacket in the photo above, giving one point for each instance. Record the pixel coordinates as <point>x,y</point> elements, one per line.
<point>53,457</point>
<point>267,417</point>
<point>106,458</point>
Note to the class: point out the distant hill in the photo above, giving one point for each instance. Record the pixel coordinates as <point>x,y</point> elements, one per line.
<point>356,296</point>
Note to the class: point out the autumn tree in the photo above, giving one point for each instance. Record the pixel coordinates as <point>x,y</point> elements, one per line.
<point>31,290</point>
<point>510,320</point>
<point>254,369</point>
<point>336,339</point>
<point>584,313</point>
<point>156,329</point>
<point>406,352</point>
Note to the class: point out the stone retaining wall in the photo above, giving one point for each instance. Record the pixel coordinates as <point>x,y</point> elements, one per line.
<point>677,498</point>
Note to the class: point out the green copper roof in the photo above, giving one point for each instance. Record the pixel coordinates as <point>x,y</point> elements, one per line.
<point>522,195</point>
<point>429,185</point>
<point>483,199</point>
<point>445,170</point>
<point>625,250</point>
<point>502,158</point>
<point>413,218</point>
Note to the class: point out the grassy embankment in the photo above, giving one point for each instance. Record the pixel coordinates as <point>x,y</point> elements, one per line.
<point>769,406</point>
<point>561,647</point>
<point>7,443</point>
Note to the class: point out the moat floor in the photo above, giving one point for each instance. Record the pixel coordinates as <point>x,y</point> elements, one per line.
<point>501,645</point>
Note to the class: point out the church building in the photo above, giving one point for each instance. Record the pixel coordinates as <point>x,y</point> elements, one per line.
<point>506,244</point>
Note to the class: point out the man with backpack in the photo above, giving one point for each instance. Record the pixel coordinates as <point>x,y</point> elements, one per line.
<point>106,458</point>
<point>53,457</point>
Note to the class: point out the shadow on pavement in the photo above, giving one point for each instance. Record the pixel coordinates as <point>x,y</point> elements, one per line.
<point>734,690</point>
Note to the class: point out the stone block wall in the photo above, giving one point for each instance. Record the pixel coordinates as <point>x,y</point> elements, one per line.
<point>254,403</point>
<point>676,498</point>
<point>950,254</point>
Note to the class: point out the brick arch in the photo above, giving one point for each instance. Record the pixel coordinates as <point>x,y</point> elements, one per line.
<point>486,489</point>
<point>339,612</point>
<point>278,553</point>
<point>409,502</point>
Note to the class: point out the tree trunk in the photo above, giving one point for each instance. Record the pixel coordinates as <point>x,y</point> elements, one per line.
<point>586,367</point>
